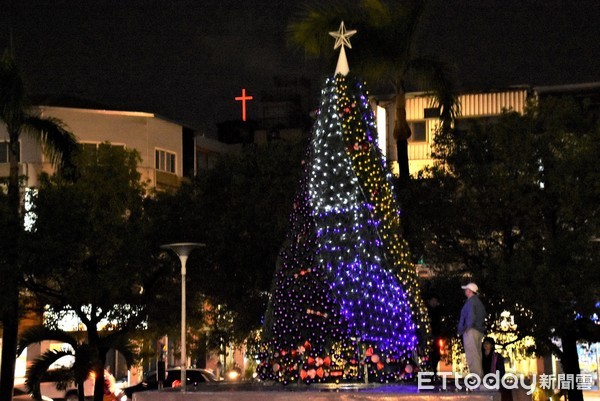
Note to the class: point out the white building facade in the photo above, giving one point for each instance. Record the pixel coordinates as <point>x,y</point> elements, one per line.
<point>159,142</point>
<point>423,118</point>
<point>169,152</point>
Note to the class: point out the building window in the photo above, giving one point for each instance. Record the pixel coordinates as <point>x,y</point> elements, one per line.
<point>4,149</point>
<point>91,148</point>
<point>463,125</point>
<point>432,112</point>
<point>205,160</point>
<point>165,161</point>
<point>419,134</point>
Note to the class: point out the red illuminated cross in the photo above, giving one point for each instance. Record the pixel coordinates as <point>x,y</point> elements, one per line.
<point>243,98</point>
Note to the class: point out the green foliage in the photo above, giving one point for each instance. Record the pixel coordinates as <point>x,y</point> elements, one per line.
<point>86,248</point>
<point>87,252</point>
<point>513,203</point>
<point>39,333</point>
<point>246,204</point>
<point>386,34</point>
<point>40,366</point>
<point>240,211</point>
<point>58,144</point>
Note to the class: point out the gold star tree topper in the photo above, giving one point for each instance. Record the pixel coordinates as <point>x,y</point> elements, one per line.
<point>342,39</point>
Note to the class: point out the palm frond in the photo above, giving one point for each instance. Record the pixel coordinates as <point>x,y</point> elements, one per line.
<point>38,334</point>
<point>412,23</point>
<point>120,342</point>
<point>309,29</point>
<point>40,366</point>
<point>383,45</point>
<point>436,77</point>
<point>377,12</point>
<point>58,143</point>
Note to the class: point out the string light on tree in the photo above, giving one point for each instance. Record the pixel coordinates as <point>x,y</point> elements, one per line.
<point>345,297</point>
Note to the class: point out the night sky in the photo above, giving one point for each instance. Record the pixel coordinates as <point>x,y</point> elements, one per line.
<point>187,59</point>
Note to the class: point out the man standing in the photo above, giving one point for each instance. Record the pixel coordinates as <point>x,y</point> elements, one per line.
<point>471,328</point>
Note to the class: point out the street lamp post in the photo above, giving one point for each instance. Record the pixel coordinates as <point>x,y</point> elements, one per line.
<point>183,250</point>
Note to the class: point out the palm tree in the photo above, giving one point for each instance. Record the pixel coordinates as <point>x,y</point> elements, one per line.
<point>385,54</point>
<point>77,373</point>
<point>58,144</point>
<point>87,359</point>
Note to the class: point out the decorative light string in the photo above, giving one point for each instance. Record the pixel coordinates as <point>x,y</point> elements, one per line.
<point>345,295</point>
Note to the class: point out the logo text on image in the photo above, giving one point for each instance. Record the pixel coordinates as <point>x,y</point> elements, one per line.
<point>510,381</point>
<point>491,381</point>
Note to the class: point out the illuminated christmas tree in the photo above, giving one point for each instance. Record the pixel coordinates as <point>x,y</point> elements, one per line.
<point>345,300</point>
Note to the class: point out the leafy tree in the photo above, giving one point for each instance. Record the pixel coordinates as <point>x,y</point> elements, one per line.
<point>246,202</point>
<point>240,211</point>
<point>172,218</point>
<point>514,203</point>
<point>87,253</point>
<point>383,53</point>
<point>57,144</point>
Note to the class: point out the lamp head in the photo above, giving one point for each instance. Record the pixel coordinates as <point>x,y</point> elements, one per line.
<point>183,248</point>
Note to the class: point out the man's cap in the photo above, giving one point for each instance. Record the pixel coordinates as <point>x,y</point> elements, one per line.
<point>471,286</point>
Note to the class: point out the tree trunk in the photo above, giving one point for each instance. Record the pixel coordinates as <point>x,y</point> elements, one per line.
<point>80,394</point>
<point>37,393</point>
<point>201,359</point>
<point>99,360</point>
<point>10,318</point>
<point>570,364</point>
<point>99,383</point>
<point>402,149</point>
<point>401,134</point>
<point>9,345</point>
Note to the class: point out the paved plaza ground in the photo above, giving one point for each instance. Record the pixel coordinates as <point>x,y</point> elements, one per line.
<point>342,393</point>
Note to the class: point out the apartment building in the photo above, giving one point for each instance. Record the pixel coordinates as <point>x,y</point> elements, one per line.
<point>169,150</point>
<point>423,118</point>
<point>423,115</point>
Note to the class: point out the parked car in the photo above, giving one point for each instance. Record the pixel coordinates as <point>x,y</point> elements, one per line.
<point>194,378</point>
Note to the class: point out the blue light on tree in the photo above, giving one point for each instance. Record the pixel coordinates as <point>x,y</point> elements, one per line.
<point>344,296</point>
